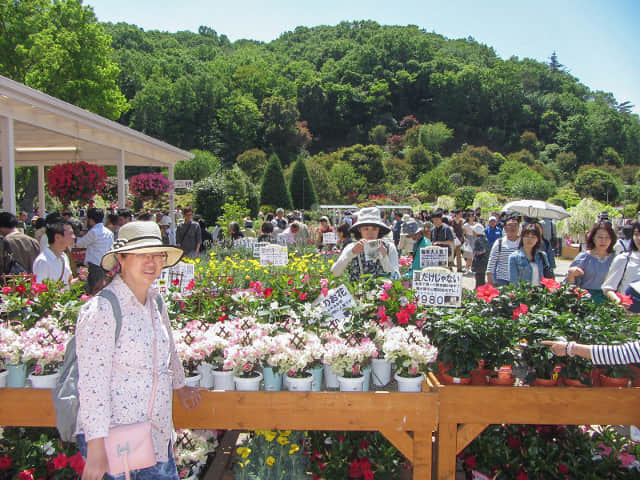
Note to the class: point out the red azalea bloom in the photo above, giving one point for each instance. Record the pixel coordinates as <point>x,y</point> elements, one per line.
<point>77,463</point>
<point>222,318</point>
<point>382,314</point>
<point>522,476</point>
<point>364,444</point>
<point>563,469</point>
<point>624,299</point>
<point>322,465</point>
<point>6,290</point>
<point>384,295</point>
<point>303,295</point>
<point>354,469</point>
<point>521,310</point>
<point>21,289</point>
<point>340,438</point>
<point>39,288</point>
<point>626,459</point>
<point>513,442</point>
<point>60,461</point>
<point>411,308</point>
<point>470,461</point>
<point>5,462</point>
<point>550,283</point>
<point>191,285</point>
<point>176,281</point>
<point>267,292</point>
<point>487,292</point>
<point>26,474</point>
<point>290,282</point>
<point>403,317</point>
<point>579,292</point>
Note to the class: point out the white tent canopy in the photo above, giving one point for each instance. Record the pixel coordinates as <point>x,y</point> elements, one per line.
<point>39,130</point>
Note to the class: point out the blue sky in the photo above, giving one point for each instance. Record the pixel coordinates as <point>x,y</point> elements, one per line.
<point>597,41</point>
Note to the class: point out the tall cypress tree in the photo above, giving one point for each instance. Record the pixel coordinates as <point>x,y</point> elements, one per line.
<point>274,189</point>
<point>303,193</point>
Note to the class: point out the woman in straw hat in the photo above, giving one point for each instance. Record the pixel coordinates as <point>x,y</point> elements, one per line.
<point>117,377</point>
<point>371,254</point>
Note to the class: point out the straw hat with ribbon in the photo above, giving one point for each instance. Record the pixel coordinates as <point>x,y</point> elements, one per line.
<point>140,237</point>
<point>371,216</point>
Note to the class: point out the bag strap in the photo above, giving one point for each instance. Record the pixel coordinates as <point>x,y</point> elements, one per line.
<point>624,271</point>
<point>115,305</point>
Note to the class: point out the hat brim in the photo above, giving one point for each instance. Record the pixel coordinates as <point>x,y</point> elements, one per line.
<point>383,228</point>
<point>174,254</point>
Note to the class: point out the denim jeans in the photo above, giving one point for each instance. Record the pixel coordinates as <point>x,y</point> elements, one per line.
<point>160,471</point>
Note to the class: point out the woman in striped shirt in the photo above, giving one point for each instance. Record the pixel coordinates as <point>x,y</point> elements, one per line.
<point>600,354</point>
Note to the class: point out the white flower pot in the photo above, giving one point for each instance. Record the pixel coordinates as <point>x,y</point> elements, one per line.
<point>348,384</point>
<point>223,380</point>
<point>206,372</point>
<point>44,381</point>
<point>300,384</point>
<point>409,384</point>
<point>193,381</point>
<point>3,378</point>
<point>380,372</point>
<point>330,378</point>
<point>248,384</point>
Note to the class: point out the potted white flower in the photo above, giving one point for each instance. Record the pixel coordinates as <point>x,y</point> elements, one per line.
<point>45,345</point>
<point>410,350</point>
<point>348,359</point>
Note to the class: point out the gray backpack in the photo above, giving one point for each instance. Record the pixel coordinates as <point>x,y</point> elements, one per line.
<point>66,401</point>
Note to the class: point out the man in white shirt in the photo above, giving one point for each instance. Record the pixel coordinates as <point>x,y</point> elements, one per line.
<point>498,266</point>
<point>52,263</point>
<point>97,241</point>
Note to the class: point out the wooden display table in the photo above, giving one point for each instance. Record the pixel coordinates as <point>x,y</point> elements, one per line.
<point>407,420</point>
<point>466,411</point>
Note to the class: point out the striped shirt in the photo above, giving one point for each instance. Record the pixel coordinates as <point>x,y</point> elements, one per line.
<point>616,354</point>
<point>499,258</point>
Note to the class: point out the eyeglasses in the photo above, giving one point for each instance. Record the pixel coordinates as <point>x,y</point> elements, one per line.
<point>155,257</point>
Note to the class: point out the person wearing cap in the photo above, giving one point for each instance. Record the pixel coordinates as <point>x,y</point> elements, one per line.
<point>414,231</point>
<point>118,380</point>
<point>441,233</point>
<point>492,231</point>
<point>406,243</point>
<point>248,229</point>
<point>168,234</point>
<point>370,254</point>
<point>325,227</point>
<point>481,251</point>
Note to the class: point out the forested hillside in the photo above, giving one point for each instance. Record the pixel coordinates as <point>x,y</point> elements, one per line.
<point>374,110</point>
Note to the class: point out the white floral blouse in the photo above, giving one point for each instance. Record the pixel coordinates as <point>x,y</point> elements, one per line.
<point>115,379</point>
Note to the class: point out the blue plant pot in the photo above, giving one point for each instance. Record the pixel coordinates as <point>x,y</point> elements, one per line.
<point>316,386</point>
<point>17,376</point>
<point>367,378</point>
<point>272,380</point>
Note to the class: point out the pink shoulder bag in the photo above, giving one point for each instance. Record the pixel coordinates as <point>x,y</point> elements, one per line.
<point>130,447</point>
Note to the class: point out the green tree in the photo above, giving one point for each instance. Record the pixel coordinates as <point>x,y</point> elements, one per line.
<point>58,47</point>
<point>301,187</point>
<point>274,189</point>
<point>464,196</point>
<point>252,162</point>
<point>238,185</point>
<point>434,136</point>
<point>378,135</point>
<point>210,196</point>
<point>420,159</point>
<point>597,184</point>
<point>434,183</point>
<point>469,167</point>
<point>530,184</point>
<point>280,116</point>
<point>199,167</point>
<point>346,178</point>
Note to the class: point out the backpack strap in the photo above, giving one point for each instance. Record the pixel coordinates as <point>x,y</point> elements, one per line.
<point>115,305</point>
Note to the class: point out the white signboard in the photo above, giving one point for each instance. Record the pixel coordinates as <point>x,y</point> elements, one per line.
<point>180,275</point>
<point>274,255</point>
<point>245,242</point>
<point>183,184</point>
<point>257,247</point>
<point>434,256</point>
<point>438,287</point>
<point>330,238</point>
<point>338,302</point>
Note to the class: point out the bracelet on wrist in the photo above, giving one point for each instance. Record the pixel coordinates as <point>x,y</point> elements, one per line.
<point>570,346</point>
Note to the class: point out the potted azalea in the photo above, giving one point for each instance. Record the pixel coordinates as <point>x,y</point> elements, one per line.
<point>192,349</point>
<point>410,351</point>
<point>245,354</point>
<point>349,358</point>
<point>13,344</point>
<point>45,348</point>
<point>305,353</point>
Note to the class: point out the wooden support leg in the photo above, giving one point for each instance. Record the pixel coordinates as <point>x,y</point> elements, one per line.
<point>422,446</point>
<point>224,453</point>
<point>447,450</point>
<point>467,433</point>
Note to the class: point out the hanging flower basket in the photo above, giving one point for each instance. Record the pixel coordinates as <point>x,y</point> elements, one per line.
<point>149,186</point>
<point>75,182</point>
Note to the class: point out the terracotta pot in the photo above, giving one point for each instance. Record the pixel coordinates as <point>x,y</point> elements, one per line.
<point>449,380</point>
<point>613,382</point>
<point>502,381</point>
<point>479,377</point>
<point>595,377</point>
<point>570,382</point>
<point>545,382</point>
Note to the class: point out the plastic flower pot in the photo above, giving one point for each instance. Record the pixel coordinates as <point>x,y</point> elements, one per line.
<point>248,384</point>
<point>613,382</point>
<point>17,376</point>
<point>502,381</point>
<point>351,384</point>
<point>317,373</point>
<point>272,380</point>
<point>193,381</point>
<point>366,385</point>
<point>380,372</point>
<point>223,380</point>
<point>300,384</point>
<point>447,379</point>
<point>206,372</point>
<point>3,378</point>
<point>409,384</point>
<point>479,377</point>
<point>330,378</point>
<point>545,382</point>
<point>572,382</point>
<point>44,381</point>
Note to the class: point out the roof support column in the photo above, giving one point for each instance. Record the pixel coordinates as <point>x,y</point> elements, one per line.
<point>8,163</point>
<point>172,198</point>
<point>121,187</point>
<point>41,197</point>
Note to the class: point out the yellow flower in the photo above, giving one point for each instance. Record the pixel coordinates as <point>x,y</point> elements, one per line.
<point>243,452</point>
<point>284,433</point>
<point>283,441</point>
<point>270,461</point>
<point>269,436</point>
<point>294,448</point>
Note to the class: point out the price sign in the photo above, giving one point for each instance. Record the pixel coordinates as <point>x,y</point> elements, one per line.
<point>434,256</point>
<point>438,287</point>
<point>330,238</point>
<point>183,184</point>
<point>245,242</point>
<point>271,254</point>
<point>256,248</point>
<point>180,275</point>
<point>337,303</point>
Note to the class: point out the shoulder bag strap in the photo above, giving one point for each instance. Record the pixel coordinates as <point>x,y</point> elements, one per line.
<point>115,305</point>
<point>626,263</point>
